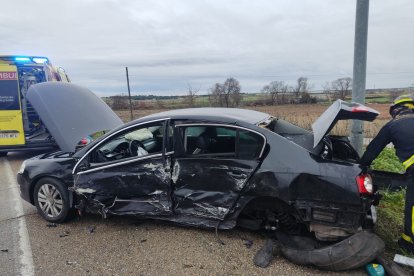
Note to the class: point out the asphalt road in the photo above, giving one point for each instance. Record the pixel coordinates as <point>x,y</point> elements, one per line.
<point>121,245</point>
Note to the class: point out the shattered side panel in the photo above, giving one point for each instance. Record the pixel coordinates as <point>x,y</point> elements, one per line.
<point>209,187</point>
<point>141,187</point>
<point>305,182</point>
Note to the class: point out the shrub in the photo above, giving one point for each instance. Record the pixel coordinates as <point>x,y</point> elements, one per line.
<point>390,222</point>
<point>390,211</point>
<point>387,161</point>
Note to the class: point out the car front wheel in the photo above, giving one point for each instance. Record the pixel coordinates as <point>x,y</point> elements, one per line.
<point>51,199</point>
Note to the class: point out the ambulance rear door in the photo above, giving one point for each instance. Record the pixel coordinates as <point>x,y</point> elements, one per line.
<point>11,117</point>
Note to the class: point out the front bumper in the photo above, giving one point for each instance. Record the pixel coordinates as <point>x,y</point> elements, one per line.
<point>24,184</point>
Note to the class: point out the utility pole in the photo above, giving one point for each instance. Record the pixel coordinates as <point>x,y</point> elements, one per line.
<point>129,94</point>
<point>360,68</point>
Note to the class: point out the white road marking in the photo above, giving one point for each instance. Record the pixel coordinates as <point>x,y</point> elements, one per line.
<point>26,258</point>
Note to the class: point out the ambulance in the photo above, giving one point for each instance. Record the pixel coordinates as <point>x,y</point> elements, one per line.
<point>20,126</point>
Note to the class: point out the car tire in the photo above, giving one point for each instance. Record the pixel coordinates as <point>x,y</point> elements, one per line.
<point>3,154</point>
<point>51,198</point>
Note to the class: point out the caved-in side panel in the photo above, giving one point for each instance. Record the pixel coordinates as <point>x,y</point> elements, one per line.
<point>336,183</point>
<point>141,187</point>
<point>209,187</point>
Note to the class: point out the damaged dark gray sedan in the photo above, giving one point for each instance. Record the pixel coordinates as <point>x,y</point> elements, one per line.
<point>204,167</point>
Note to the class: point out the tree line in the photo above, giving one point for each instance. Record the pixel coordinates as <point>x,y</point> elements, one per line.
<point>229,94</point>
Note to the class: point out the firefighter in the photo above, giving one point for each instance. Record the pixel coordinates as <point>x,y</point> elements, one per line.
<point>399,131</point>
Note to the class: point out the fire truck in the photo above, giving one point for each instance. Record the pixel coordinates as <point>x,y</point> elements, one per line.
<point>21,128</point>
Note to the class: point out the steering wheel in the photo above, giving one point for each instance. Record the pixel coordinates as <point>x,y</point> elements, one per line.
<point>133,147</point>
<point>327,150</point>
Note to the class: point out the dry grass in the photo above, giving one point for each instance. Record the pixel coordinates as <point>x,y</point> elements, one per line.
<point>301,115</point>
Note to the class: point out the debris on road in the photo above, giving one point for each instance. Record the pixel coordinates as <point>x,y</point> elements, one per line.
<point>91,229</point>
<point>392,268</point>
<point>50,225</point>
<point>248,243</point>
<point>400,259</point>
<point>264,256</point>
<point>353,252</point>
<point>4,250</point>
<point>64,234</point>
<point>71,263</point>
<point>374,270</point>
<point>143,240</point>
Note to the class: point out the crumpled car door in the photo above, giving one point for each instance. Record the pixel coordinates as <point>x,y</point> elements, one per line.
<point>140,187</point>
<point>209,187</point>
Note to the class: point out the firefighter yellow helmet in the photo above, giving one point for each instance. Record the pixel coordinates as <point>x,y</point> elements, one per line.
<point>401,102</point>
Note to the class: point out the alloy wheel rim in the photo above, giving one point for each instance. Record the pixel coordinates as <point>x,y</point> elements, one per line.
<point>50,200</point>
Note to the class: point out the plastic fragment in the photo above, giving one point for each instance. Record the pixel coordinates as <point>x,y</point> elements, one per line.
<point>64,234</point>
<point>392,268</point>
<point>374,269</point>
<point>70,263</point>
<point>400,259</point>
<point>248,243</point>
<point>91,229</point>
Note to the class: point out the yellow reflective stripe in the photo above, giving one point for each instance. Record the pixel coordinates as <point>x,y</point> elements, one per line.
<point>406,238</point>
<point>408,162</point>
<point>412,221</point>
<point>404,100</point>
<point>409,105</point>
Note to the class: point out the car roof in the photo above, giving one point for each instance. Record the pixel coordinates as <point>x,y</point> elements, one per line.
<point>213,113</point>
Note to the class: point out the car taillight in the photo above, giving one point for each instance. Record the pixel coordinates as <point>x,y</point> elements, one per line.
<point>364,182</point>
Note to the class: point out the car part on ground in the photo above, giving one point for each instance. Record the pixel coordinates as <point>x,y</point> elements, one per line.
<point>392,268</point>
<point>265,254</point>
<point>353,252</point>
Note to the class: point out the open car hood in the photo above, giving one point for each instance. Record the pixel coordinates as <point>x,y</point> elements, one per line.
<point>71,112</point>
<point>340,110</point>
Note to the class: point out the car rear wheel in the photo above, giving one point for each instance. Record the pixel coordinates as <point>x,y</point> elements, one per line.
<point>52,199</point>
<point>2,154</point>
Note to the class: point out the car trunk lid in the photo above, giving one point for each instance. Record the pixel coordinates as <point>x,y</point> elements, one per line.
<point>71,112</point>
<point>340,110</point>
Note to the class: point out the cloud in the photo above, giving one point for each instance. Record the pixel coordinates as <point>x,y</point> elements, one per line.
<point>170,44</point>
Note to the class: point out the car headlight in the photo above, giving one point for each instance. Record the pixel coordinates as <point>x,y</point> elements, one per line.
<point>22,167</point>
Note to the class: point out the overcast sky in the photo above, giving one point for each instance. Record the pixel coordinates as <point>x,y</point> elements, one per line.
<point>171,44</point>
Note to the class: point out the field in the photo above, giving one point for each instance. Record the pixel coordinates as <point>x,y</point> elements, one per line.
<point>302,115</point>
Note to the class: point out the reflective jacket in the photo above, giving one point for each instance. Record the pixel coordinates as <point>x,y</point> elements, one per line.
<point>399,131</point>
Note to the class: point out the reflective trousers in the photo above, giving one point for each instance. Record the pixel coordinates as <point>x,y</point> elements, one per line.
<point>409,208</point>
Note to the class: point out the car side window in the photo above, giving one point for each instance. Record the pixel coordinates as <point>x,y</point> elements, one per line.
<point>221,141</point>
<point>250,144</point>
<point>210,140</point>
<point>135,142</point>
